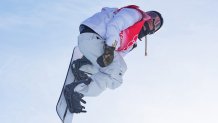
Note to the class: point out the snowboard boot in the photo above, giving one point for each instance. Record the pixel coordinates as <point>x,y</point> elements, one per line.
<point>78,74</point>
<point>74,99</point>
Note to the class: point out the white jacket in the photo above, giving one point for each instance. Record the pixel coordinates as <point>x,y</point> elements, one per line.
<point>109,23</point>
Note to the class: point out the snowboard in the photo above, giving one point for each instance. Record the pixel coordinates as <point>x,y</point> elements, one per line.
<point>61,108</point>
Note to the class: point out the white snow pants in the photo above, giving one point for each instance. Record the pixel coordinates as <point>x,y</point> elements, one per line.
<point>91,46</point>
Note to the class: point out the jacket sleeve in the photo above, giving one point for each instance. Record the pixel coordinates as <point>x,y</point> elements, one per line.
<point>125,18</point>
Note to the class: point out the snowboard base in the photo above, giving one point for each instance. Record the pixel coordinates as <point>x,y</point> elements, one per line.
<point>61,108</point>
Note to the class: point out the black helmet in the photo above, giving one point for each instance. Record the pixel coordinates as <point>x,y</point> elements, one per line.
<point>157,20</point>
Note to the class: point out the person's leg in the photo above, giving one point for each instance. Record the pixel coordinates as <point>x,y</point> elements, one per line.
<point>91,47</point>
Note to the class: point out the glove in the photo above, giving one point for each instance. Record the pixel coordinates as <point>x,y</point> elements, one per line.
<point>107,57</point>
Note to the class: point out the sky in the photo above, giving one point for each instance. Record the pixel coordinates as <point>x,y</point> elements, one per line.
<point>177,82</point>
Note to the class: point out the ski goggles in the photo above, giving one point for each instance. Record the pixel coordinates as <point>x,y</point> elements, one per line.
<point>157,21</point>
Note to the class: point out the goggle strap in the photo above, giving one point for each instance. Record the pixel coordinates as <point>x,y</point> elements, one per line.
<point>145,45</point>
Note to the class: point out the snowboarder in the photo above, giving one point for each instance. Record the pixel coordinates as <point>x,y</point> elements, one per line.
<point>105,38</point>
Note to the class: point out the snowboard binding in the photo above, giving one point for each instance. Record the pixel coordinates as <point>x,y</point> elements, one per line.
<point>74,99</point>
<point>75,66</point>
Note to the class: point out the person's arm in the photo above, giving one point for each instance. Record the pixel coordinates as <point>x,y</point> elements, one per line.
<point>125,18</point>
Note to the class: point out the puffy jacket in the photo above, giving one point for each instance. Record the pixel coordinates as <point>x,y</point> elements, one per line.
<point>109,23</point>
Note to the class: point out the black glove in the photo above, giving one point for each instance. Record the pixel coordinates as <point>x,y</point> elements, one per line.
<point>107,57</point>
